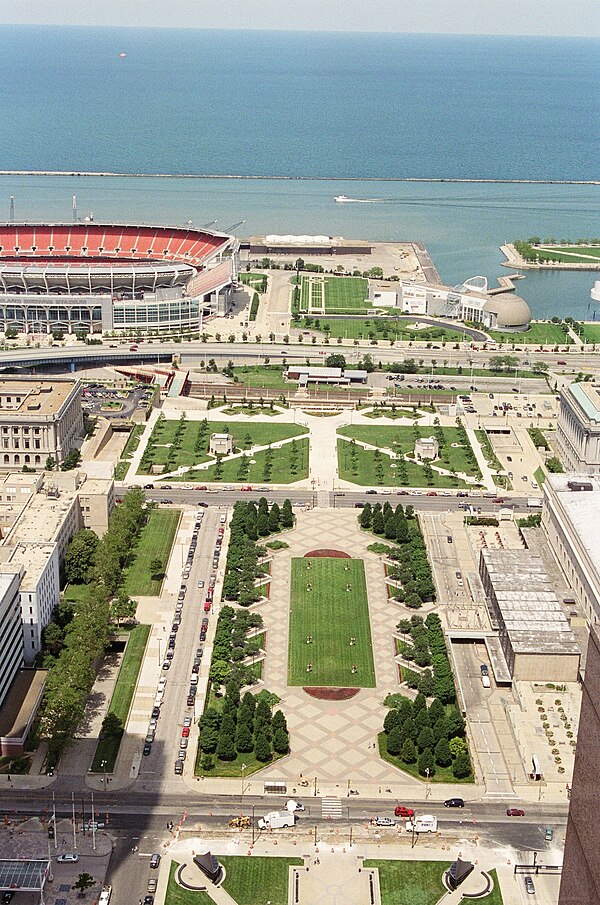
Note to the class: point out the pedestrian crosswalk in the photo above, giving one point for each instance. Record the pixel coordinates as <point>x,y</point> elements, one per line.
<point>331,808</point>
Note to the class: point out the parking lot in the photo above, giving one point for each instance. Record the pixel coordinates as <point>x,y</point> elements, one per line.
<point>112,403</point>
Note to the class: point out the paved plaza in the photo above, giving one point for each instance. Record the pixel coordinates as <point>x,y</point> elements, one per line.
<point>336,741</point>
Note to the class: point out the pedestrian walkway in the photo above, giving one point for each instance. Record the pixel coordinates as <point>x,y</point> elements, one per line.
<point>486,472</point>
<point>331,808</point>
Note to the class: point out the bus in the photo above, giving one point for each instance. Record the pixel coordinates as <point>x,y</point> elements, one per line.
<point>534,503</point>
<point>105,894</point>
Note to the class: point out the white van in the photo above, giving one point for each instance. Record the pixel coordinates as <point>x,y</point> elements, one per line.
<point>485,681</point>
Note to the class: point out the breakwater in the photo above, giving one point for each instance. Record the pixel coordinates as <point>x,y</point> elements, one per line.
<point>426,179</point>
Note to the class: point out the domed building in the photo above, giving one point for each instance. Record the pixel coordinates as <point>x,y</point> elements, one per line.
<point>507,312</point>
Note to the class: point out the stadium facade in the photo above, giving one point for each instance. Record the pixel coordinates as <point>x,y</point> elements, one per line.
<point>122,278</point>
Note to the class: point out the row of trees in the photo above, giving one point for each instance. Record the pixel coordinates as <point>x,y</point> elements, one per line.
<point>78,636</point>
<point>248,523</point>
<point>103,560</point>
<point>425,645</point>
<point>243,726</point>
<point>410,565</point>
<point>232,645</point>
<point>79,639</point>
<point>428,737</point>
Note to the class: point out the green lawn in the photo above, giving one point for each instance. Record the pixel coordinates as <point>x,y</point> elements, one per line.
<point>331,615</point>
<point>363,469</point>
<point>281,470</point>
<point>155,541</point>
<point>591,333</point>
<point>253,880</point>
<point>539,475</point>
<point>176,895</point>
<point>541,334</point>
<point>251,411</point>
<point>577,254</point>
<point>495,896</point>
<point>344,294</point>
<point>245,435</point>
<point>233,768</point>
<point>270,376</point>
<point>410,882</point>
<point>122,696</point>
<point>381,328</point>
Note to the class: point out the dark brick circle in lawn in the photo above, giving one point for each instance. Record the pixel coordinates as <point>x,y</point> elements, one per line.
<point>331,554</point>
<point>330,694</point>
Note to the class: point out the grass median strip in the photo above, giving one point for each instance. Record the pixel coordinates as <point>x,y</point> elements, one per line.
<point>155,542</point>
<point>122,696</point>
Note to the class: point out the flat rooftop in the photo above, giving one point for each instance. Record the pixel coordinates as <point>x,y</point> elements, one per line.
<point>18,704</point>
<point>531,611</point>
<point>587,396</point>
<point>580,509</point>
<point>22,397</point>
<point>33,558</point>
<point>42,518</point>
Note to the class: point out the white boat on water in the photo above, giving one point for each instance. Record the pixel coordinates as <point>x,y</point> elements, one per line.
<point>341,198</point>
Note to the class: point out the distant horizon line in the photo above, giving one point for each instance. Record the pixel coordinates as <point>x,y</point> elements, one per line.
<point>300,31</point>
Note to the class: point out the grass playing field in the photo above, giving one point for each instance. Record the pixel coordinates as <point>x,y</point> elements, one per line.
<point>570,254</point>
<point>331,615</point>
<point>344,294</point>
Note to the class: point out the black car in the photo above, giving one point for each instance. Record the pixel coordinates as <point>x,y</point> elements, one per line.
<point>147,749</point>
<point>203,504</point>
<point>195,668</point>
<point>454,803</point>
<point>148,900</point>
<point>203,635</point>
<point>7,897</point>
<point>155,713</point>
<point>175,627</point>
<point>190,700</point>
<point>372,492</point>
<point>192,691</point>
<point>199,652</point>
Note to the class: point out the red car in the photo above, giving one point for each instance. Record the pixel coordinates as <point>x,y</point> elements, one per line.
<point>207,606</point>
<point>403,811</point>
<point>185,732</point>
<point>515,812</point>
<point>248,487</point>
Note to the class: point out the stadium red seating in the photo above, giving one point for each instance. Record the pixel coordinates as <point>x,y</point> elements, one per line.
<point>98,241</point>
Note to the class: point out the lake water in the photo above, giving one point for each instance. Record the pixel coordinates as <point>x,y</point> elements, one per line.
<point>349,106</point>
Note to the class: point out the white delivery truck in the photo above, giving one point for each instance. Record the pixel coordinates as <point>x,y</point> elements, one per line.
<point>534,503</point>
<point>426,823</point>
<point>274,820</point>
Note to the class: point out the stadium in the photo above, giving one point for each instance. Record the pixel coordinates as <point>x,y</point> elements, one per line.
<point>96,278</point>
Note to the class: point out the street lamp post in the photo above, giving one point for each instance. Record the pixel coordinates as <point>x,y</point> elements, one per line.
<point>243,767</point>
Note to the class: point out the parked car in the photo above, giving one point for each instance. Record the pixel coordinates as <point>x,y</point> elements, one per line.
<point>152,884</point>
<point>67,858</point>
<point>384,821</point>
<point>187,721</point>
<point>179,767</point>
<point>515,812</point>
<point>201,583</point>
<point>154,861</point>
<point>454,803</point>
<point>529,886</point>
<point>185,732</point>
<point>147,749</point>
